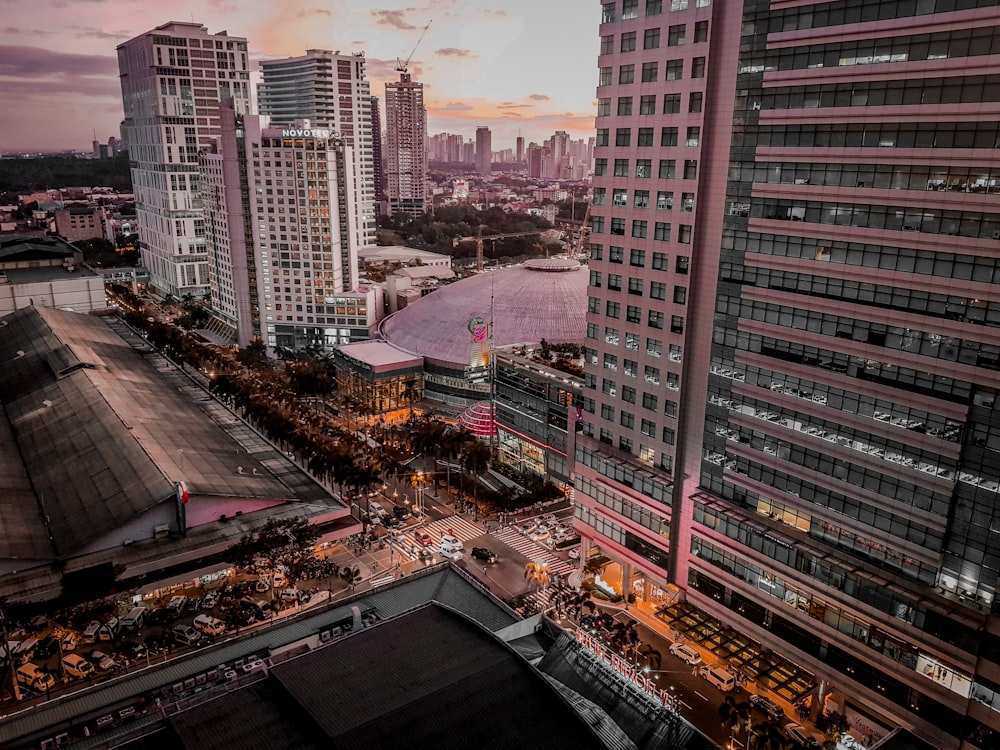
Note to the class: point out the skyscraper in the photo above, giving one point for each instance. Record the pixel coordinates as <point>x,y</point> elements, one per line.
<point>172,80</point>
<point>405,146</point>
<point>519,149</point>
<point>791,364</point>
<point>331,91</point>
<point>484,150</point>
<point>378,165</point>
<point>281,240</point>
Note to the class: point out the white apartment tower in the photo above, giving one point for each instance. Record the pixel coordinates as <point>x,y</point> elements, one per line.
<point>172,80</point>
<point>282,235</point>
<point>331,91</point>
<point>405,146</point>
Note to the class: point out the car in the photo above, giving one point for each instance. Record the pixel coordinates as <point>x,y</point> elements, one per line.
<point>527,527</point>
<point>768,707</point>
<point>483,554</point>
<point>48,646</point>
<point>449,540</point>
<point>686,654</point>
<point>391,522</point>
<point>401,512</point>
<point>574,554</point>
<point>159,616</point>
<point>423,537</point>
<point>157,644</point>
<point>539,535</point>
<point>77,666</point>
<point>68,641</point>
<point>134,651</point>
<point>547,519</point>
<point>450,553</point>
<point>185,634</point>
<point>562,530</point>
<point>104,662</point>
<point>210,600</point>
<point>800,735</point>
<point>210,625</point>
<point>426,556</point>
<point>290,596</point>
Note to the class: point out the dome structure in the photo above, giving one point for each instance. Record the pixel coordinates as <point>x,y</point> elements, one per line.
<point>543,299</point>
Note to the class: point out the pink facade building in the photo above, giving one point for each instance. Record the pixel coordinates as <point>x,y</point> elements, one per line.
<point>793,351</point>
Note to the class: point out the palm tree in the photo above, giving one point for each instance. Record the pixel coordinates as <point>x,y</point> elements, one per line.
<point>735,716</point>
<point>476,461</point>
<point>767,735</point>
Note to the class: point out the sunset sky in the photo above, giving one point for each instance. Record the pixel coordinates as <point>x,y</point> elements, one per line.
<point>527,65</point>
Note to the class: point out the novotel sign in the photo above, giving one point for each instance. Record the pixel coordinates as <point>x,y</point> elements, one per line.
<point>305,133</point>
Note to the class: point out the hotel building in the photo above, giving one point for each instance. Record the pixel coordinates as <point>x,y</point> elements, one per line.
<point>793,345</point>
<point>172,80</point>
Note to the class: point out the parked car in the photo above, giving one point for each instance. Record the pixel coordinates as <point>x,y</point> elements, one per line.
<point>539,535</point>
<point>800,735</point>
<point>210,600</point>
<point>574,554</point>
<point>423,537</point>
<point>31,676</point>
<point>177,604</point>
<point>104,662</point>
<point>209,625</point>
<point>47,647</point>
<point>68,641</point>
<point>401,512</point>
<point>686,654</point>
<point>485,555</point>
<point>767,707</point>
<point>449,540</point>
<point>159,616</point>
<point>450,553</point>
<point>527,527</point>
<point>77,666</point>
<point>185,634</point>
<point>426,556</point>
<point>134,651</point>
<point>290,596</point>
<point>391,521</point>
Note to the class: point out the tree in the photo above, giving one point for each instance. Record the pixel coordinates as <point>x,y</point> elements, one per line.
<point>767,735</point>
<point>289,542</point>
<point>736,717</point>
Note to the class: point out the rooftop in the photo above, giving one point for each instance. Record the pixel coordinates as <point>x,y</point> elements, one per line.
<point>380,355</point>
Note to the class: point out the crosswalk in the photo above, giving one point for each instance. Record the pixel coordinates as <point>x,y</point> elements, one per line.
<point>406,544</point>
<point>534,551</point>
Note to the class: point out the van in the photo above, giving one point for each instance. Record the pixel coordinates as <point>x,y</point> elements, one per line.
<point>31,676</point>
<point>448,541</point>
<point>25,651</point>
<point>721,678</point>
<point>209,625</point>
<point>135,618</point>
<point>109,630</point>
<point>375,510</point>
<point>290,596</point>
<point>77,666</point>
<point>90,633</point>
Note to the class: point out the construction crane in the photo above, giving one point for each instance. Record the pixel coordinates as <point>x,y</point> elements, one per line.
<point>584,233</point>
<point>479,241</point>
<point>401,67</point>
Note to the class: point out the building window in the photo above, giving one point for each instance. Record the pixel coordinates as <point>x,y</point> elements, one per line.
<point>595,279</point>
<point>651,39</point>
<point>668,436</point>
<point>616,254</point>
<point>648,428</point>
<point>652,375</point>
<point>655,319</point>
<point>641,199</point>
<point>607,412</point>
<point>626,74</point>
<point>649,72</point>
<point>661,262</point>
<point>623,137</point>
<point>602,137</point>
<point>607,44</point>
<point>604,77</point>
<point>675,70</point>
<point>664,201</point>
<point>608,13</point>
<point>668,137</point>
<point>687,202</point>
<point>649,401</point>
<point>693,136</point>
<point>610,362</point>
<point>632,342</point>
<point>690,169</point>
<point>682,264</point>
<point>657,289</point>
<point>637,258</point>
<point>698,67</point>
<point>630,9</point>
<point>669,408</point>
<point>700,31</point>
<point>624,444</point>
<point>635,286</point>
<point>600,167</point>
<point>621,165</point>
<point>627,420</point>
<point>684,236</point>
<point>628,393</point>
<point>618,227</point>
<point>596,251</point>
<point>619,197</point>
<point>644,168</point>
<point>668,169</point>
<point>615,282</point>
<point>628,41</point>
<point>624,105</point>
<point>671,104</point>
<point>613,310</point>
<point>661,231</point>
<point>600,196</point>
<point>638,228</point>
<point>654,348</point>
<point>603,107</point>
<point>695,101</point>
<point>647,104</point>
<point>645,137</point>
<point>654,7</point>
<point>675,35</point>
<point>633,314</point>
<point>676,324</point>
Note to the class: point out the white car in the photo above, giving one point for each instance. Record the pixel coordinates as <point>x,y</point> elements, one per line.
<point>686,654</point>
<point>539,535</point>
<point>800,735</point>
<point>527,527</point>
<point>450,553</point>
<point>574,554</point>
<point>104,662</point>
<point>447,540</point>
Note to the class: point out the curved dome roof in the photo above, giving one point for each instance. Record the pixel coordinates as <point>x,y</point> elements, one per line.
<point>544,299</point>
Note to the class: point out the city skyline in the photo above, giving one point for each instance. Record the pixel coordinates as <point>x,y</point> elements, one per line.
<point>480,66</point>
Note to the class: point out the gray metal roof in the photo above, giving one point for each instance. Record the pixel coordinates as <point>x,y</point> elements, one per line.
<point>524,305</point>
<point>103,433</point>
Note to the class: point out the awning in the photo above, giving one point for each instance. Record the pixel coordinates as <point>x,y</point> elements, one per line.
<point>185,577</point>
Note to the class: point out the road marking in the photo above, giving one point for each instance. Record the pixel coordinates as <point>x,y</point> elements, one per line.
<point>700,696</point>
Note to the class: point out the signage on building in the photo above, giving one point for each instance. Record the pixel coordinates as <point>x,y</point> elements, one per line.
<point>305,133</point>
<point>626,669</point>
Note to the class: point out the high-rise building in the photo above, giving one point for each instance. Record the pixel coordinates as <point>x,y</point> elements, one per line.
<point>405,146</point>
<point>484,150</point>
<point>331,91</point>
<point>519,149</point>
<point>378,166</point>
<point>534,159</point>
<point>281,241</point>
<point>791,367</point>
<point>172,79</point>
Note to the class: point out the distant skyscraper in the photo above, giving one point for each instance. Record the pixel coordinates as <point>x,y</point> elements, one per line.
<point>519,149</point>
<point>276,274</point>
<point>172,80</point>
<point>793,365</point>
<point>484,150</point>
<point>330,91</point>
<point>534,161</point>
<point>377,157</point>
<point>405,146</point>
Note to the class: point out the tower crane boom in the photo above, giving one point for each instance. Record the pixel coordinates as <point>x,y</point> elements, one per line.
<point>401,67</point>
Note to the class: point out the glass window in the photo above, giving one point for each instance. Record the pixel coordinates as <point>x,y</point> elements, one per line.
<point>628,41</point>
<point>668,137</point>
<point>700,31</point>
<point>604,76</point>
<point>693,136</point>
<point>630,9</point>
<point>602,137</point>
<point>651,39</point>
<point>623,137</point>
<point>668,169</point>
<point>624,105</point>
<point>603,107</point>
<point>664,200</point>
<point>637,258</point>
<point>645,137</point>
<point>649,71</point>
<point>671,104</point>
<point>654,7</point>
<point>626,74</point>
<point>680,295</point>
<point>608,13</point>
<point>675,70</point>
<point>695,101</point>
<point>638,229</point>
<point>607,44</point>
<point>675,35</point>
<point>698,67</point>
<point>644,168</point>
<point>647,104</point>
<point>661,262</point>
<point>690,169</point>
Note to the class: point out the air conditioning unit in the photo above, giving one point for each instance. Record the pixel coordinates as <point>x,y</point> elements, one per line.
<point>161,531</point>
